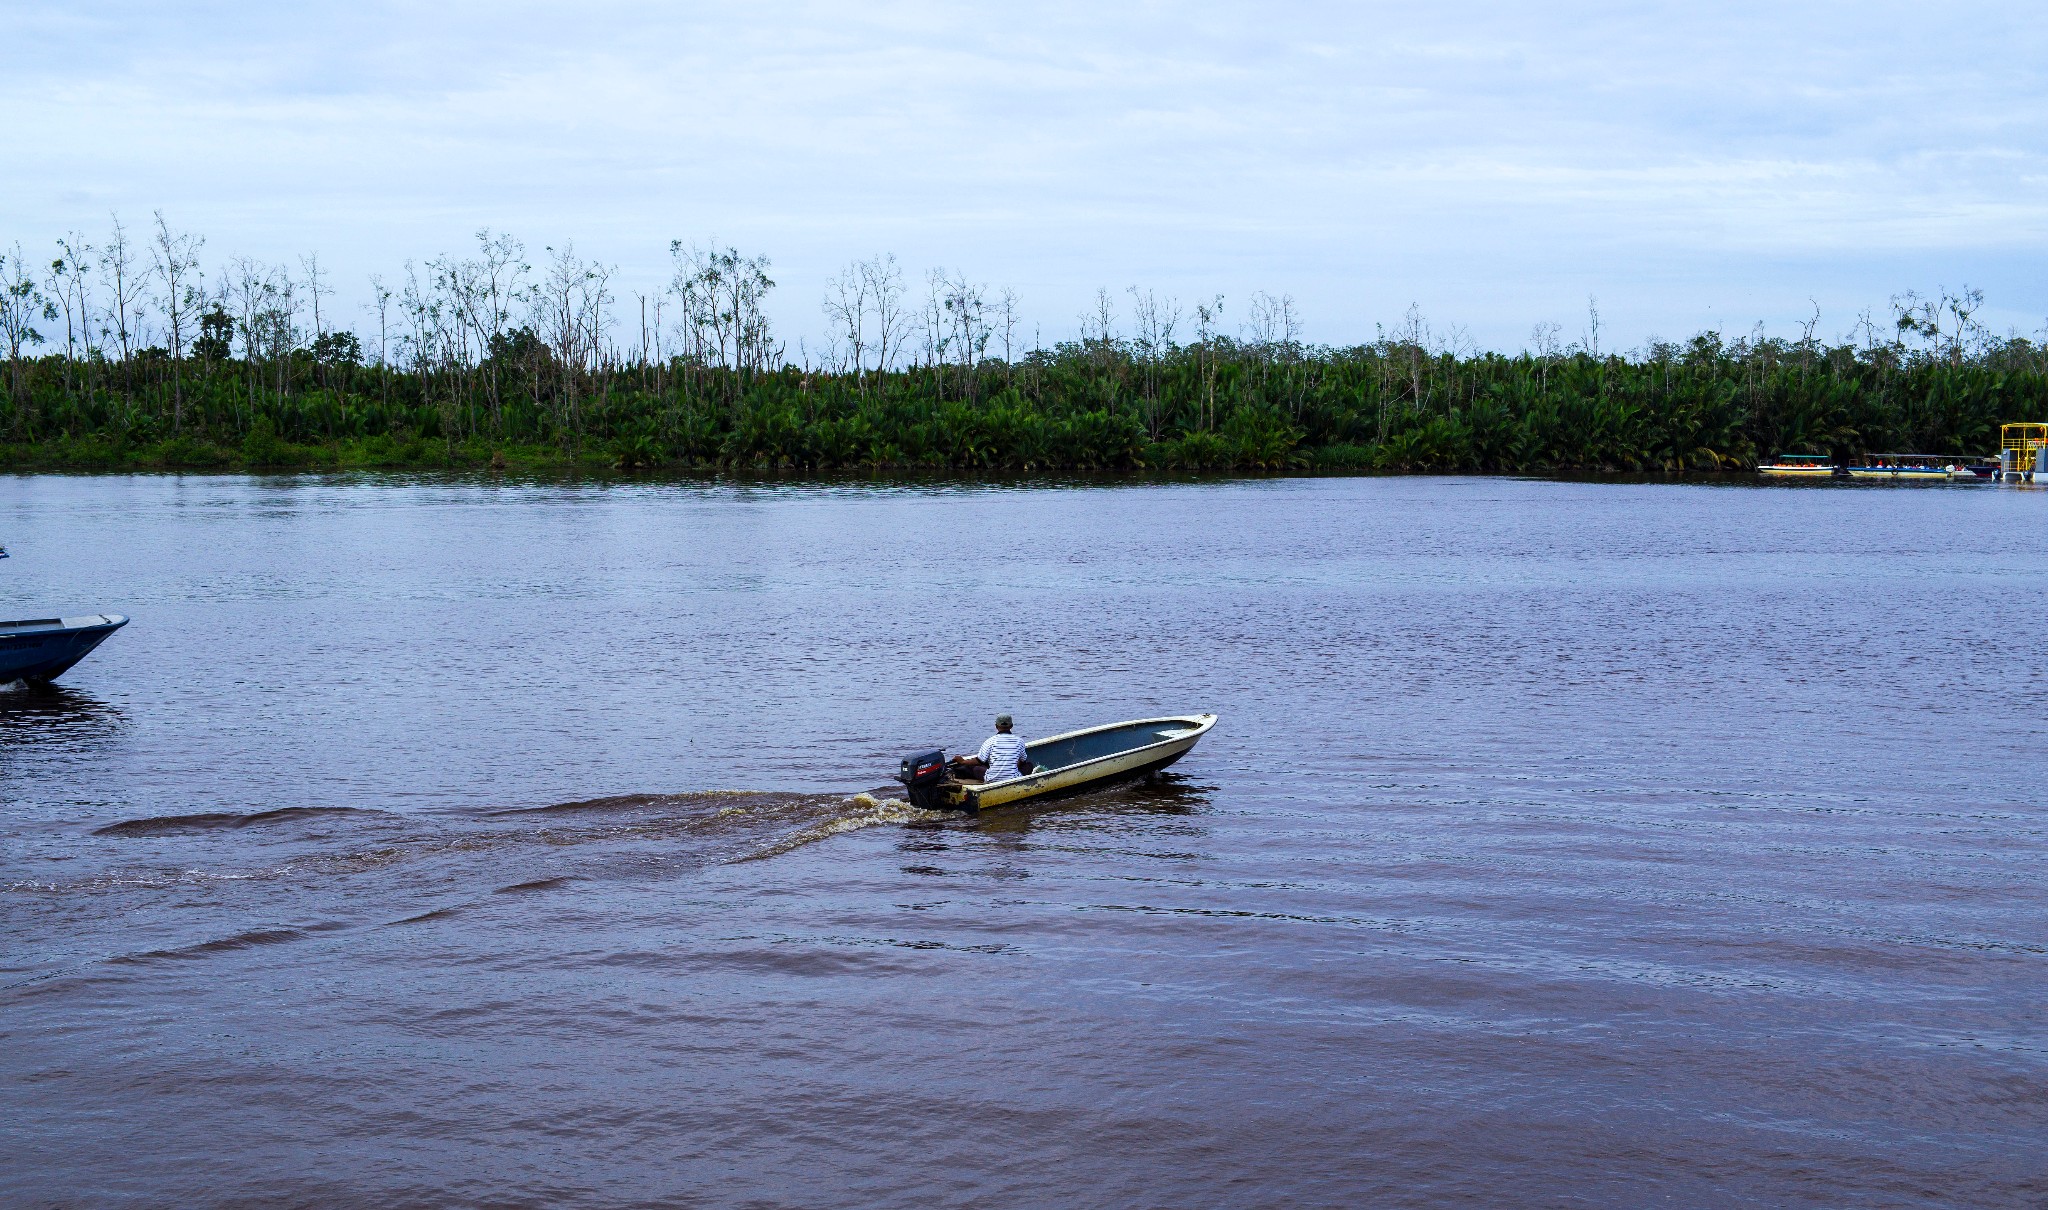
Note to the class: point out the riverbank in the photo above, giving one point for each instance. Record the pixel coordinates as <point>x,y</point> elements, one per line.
<point>92,454</point>
<point>187,455</point>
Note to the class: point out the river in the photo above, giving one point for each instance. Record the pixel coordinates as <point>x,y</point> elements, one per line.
<point>429,842</point>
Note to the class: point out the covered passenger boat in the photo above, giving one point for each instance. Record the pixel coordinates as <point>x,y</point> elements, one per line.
<point>1927,468</point>
<point>1801,466</point>
<point>1060,764</point>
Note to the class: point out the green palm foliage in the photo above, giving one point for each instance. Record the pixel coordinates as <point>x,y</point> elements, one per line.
<point>1214,407</point>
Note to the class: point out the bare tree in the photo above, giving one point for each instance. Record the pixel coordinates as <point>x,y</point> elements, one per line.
<point>1865,327</point>
<point>848,307</point>
<point>1273,327</point>
<point>1006,321</point>
<point>659,302</point>
<point>1412,342</point>
<point>1592,326</point>
<point>22,306</point>
<point>1274,332</point>
<point>1546,344</point>
<point>598,299</point>
<point>1207,316</point>
<point>176,257</point>
<point>723,295</point>
<point>932,319</point>
<point>451,294</point>
<point>1944,324</point>
<point>746,290</point>
<point>70,283</point>
<point>380,301</point>
<point>380,298</point>
<point>1261,326</point>
<point>316,289</point>
<point>1806,341</point>
<point>1970,335</point>
<point>479,295</point>
<point>569,308</point>
<point>967,327</point>
<point>883,279</point>
<point>1155,319</point>
<point>1100,337</point>
<point>277,328</point>
<point>503,269</point>
<point>1098,323</point>
<point>693,302</point>
<point>435,330</point>
<point>865,306</point>
<point>125,313</point>
<point>248,289</point>
<point>646,339</point>
<point>266,304</point>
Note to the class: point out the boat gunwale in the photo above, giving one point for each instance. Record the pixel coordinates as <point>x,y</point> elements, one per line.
<point>85,624</point>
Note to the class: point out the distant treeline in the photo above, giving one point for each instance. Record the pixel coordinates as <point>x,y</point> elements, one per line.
<point>1211,407</point>
<point>123,356</point>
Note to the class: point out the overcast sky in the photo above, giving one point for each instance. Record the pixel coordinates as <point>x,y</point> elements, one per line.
<point>1693,165</point>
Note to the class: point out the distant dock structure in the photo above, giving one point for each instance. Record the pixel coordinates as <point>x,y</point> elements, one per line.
<point>2023,453</point>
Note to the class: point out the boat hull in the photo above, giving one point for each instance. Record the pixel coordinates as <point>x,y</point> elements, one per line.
<point>43,649</point>
<point>1090,774</point>
<point>1926,474</point>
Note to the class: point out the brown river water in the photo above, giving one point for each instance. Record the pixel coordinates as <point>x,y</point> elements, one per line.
<point>430,843</point>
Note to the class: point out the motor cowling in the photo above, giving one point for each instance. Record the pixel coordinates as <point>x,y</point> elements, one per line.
<point>921,774</point>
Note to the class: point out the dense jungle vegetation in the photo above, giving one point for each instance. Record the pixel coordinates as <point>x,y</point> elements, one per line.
<point>143,365</point>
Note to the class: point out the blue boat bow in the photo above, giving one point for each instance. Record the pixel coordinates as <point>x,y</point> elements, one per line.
<point>43,649</point>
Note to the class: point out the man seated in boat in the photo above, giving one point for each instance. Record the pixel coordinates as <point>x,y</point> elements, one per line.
<point>1000,759</point>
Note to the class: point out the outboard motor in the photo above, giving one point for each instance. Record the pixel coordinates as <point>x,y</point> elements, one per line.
<point>921,776</point>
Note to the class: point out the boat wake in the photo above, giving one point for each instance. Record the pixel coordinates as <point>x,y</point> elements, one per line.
<point>626,834</point>
<point>866,811</point>
<point>174,825</point>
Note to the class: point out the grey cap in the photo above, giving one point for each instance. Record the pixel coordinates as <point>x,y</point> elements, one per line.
<point>1002,720</point>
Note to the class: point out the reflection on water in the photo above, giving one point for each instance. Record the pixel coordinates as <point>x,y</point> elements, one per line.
<point>1170,793</point>
<point>441,842</point>
<point>1163,794</point>
<point>54,714</point>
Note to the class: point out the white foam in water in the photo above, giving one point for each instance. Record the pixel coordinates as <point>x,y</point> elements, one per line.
<point>869,812</point>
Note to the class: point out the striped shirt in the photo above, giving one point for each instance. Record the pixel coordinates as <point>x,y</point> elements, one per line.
<point>1001,751</point>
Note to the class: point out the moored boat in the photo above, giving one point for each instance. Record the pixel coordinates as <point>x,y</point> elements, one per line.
<point>1799,466</point>
<point>1902,467</point>
<point>43,649</point>
<point>1061,764</point>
